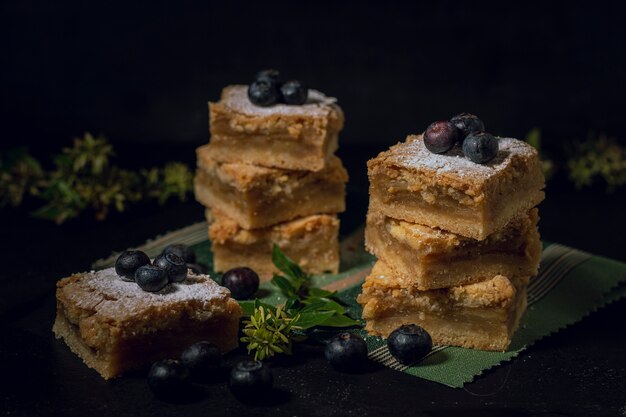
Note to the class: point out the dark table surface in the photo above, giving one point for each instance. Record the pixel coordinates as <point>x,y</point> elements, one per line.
<point>578,371</point>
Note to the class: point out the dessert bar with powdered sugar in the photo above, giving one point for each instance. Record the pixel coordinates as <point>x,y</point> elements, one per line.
<point>114,326</point>
<point>450,192</point>
<point>298,137</point>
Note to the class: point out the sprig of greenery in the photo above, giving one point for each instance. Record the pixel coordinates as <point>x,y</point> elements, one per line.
<point>597,159</point>
<point>307,307</point>
<point>20,175</point>
<point>268,331</point>
<point>83,179</point>
<point>317,307</point>
<point>174,180</point>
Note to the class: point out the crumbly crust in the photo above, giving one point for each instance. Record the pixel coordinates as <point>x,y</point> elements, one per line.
<point>115,326</point>
<point>498,291</point>
<point>259,197</point>
<point>429,258</point>
<point>450,192</point>
<point>482,315</point>
<point>489,330</point>
<point>245,177</point>
<point>311,241</point>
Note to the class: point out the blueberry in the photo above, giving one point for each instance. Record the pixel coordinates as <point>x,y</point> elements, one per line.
<point>250,378</point>
<point>346,352</point>
<point>242,282</point>
<point>294,92</point>
<point>263,93</point>
<point>480,147</point>
<point>440,136</point>
<point>201,358</point>
<point>197,269</point>
<point>409,343</point>
<point>128,262</point>
<point>168,378</point>
<point>181,250</point>
<point>174,265</point>
<point>271,76</point>
<point>151,278</point>
<point>467,123</point>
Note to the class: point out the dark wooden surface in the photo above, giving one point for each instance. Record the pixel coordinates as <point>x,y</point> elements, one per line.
<point>579,371</point>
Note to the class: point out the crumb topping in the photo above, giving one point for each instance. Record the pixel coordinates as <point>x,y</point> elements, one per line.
<point>247,176</point>
<point>499,291</point>
<point>224,229</point>
<point>413,154</point>
<point>111,296</point>
<point>236,97</point>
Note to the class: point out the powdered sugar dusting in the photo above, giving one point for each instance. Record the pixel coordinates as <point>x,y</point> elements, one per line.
<point>196,287</point>
<point>236,97</point>
<point>413,154</point>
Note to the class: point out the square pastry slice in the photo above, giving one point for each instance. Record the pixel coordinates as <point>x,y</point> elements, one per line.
<point>311,241</point>
<point>483,315</point>
<point>300,137</point>
<point>450,192</point>
<point>257,196</point>
<point>429,258</point>
<point>114,326</point>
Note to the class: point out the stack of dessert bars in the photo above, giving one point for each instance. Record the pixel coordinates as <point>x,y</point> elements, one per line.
<point>269,176</point>
<point>456,242</point>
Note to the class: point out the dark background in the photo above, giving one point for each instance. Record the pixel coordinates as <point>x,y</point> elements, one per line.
<point>141,73</point>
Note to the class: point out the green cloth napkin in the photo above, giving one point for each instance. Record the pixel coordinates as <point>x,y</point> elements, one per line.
<point>571,285</point>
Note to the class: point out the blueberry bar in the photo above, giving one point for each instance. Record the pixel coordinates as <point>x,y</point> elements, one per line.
<point>114,326</point>
<point>450,192</point>
<point>298,137</point>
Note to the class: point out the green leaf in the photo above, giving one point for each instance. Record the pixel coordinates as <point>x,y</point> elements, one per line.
<point>323,304</point>
<point>286,265</point>
<point>318,292</point>
<point>292,303</point>
<point>314,318</point>
<point>248,307</point>
<point>284,285</point>
<point>340,320</point>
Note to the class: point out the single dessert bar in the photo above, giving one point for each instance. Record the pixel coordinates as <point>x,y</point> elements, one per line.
<point>114,326</point>
<point>283,136</point>
<point>312,242</point>
<point>257,196</point>
<point>482,316</point>
<point>450,192</point>
<point>430,258</point>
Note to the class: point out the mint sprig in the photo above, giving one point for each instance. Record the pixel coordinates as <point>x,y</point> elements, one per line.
<point>270,330</point>
<point>316,306</point>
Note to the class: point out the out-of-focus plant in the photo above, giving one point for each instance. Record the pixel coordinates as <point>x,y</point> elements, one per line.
<point>174,180</point>
<point>597,159</point>
<point>83,178</point>
<point>20,175</point>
